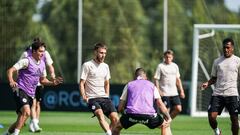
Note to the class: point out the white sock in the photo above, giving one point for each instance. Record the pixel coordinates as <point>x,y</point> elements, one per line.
<point>216,130</point>
<point>35,123</point>
<point>109,132</point>
<point>16,131</point>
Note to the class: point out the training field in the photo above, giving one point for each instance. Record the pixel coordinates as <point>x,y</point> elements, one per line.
<point>79,123</point>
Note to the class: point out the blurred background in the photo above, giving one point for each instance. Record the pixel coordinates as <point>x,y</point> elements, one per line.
<point>132,30</point>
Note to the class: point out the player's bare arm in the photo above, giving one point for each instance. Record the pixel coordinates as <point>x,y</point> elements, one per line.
<point>209,82</point>
<point>45,81</point>
<point>180,88</point>
<point>156,82</point>
<point>12,82</point>
<point>107,87</point>
<point>164,111</point>
<point>82,90</point>
<point>121,106</point>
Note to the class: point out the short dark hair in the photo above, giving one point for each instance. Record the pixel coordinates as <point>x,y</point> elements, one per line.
<point>100,45</point>
<point>139,71</point>
<point>226,40</point>
<point>168,52</point>
<point>37,43</point>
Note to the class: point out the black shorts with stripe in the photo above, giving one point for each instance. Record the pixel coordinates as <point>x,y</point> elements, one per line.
<point>101,103</point>
<point>21,99</point>
<point>217,103</point>
<point>151,121</point>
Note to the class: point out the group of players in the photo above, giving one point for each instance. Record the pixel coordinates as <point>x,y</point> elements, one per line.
<point>141,100</point>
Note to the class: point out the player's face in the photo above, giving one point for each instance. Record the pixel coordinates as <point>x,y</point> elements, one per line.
<point>168,58</point>
<point>228,50</point>
<point>100,55</point>
<point>39,53</point>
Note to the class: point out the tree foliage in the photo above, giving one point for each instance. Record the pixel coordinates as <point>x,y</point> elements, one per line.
<point>132,30</point>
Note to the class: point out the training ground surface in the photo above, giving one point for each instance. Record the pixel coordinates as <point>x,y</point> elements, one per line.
<point>81,123</point>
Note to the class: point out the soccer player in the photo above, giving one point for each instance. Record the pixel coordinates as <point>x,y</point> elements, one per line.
<point>94,88</point>
<point>36,106</point>
<point>167,80</point>
<point>137,105</point>
<point>30,70</point>
<point>225,73</point>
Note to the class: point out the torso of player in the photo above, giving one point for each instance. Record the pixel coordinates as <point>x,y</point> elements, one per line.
<point>95,79</point>
<point>227,73</point>
<point>167,81</point>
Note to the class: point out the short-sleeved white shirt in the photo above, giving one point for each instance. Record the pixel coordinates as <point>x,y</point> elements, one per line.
<point>227,71</point>
<point>124,93</point>
<point>95,76</point>
<point>167,75</point>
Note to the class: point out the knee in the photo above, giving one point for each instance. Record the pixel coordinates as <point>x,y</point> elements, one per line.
<point>26,113</point>
<point>178,108</point>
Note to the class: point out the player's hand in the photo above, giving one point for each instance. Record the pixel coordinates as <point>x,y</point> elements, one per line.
<point>204,86</point>
<point>58,80</point>
<point>166,123</point>
<point>85,98</point>
<point>13,85</point>
<point>182,94</point>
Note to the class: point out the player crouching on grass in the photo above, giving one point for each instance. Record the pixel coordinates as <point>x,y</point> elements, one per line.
<point>30,70</point>
<point>138,99</point>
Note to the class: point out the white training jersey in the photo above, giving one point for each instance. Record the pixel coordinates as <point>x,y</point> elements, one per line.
<point>227,71</point>
<point>167,75</point>
<point>95,76</point>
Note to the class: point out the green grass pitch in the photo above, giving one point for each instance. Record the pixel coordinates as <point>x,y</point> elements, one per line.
<point>81,123</point>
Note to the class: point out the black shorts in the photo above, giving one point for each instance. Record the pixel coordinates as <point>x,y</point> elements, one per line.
<point>101,103</point>
<point>171,101</point>
<point>21,99</point>
<point>128,120</point>
<point>217,103</point>
<point>38,93</point>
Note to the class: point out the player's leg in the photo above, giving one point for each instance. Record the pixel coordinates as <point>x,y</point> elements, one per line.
<point>101,119</point>
<point>117,128</point>
<point>232,107</point>
<point>235,126</point>
<point>33,116</point>
<point>215,108</point>
<point>175,102</point>
<point>110,111</point>
<point>35,109</point>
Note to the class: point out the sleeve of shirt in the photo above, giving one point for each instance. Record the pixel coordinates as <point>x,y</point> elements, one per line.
<point>156,93</point>
<point>124,93</point>
<point>21,64</point>
<point>157,73</point>
<point>178,73</point>
<point>44,74</point>
<point>84,72</point>
<point>49,60</point>
<point>24,55</point>
<point>108,73</point>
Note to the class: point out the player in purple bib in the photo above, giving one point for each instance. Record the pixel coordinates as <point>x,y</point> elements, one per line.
<point>31,70</point>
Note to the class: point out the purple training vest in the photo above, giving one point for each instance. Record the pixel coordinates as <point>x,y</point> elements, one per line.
<point>140,97</point>
<point>28,78</point>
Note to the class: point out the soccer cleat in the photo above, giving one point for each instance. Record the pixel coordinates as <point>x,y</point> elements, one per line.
<point>37,128</point>
<point>218,131</point>
<point>31,127</point>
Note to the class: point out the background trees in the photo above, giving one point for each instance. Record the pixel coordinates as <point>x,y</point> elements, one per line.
<point>133,31</point>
